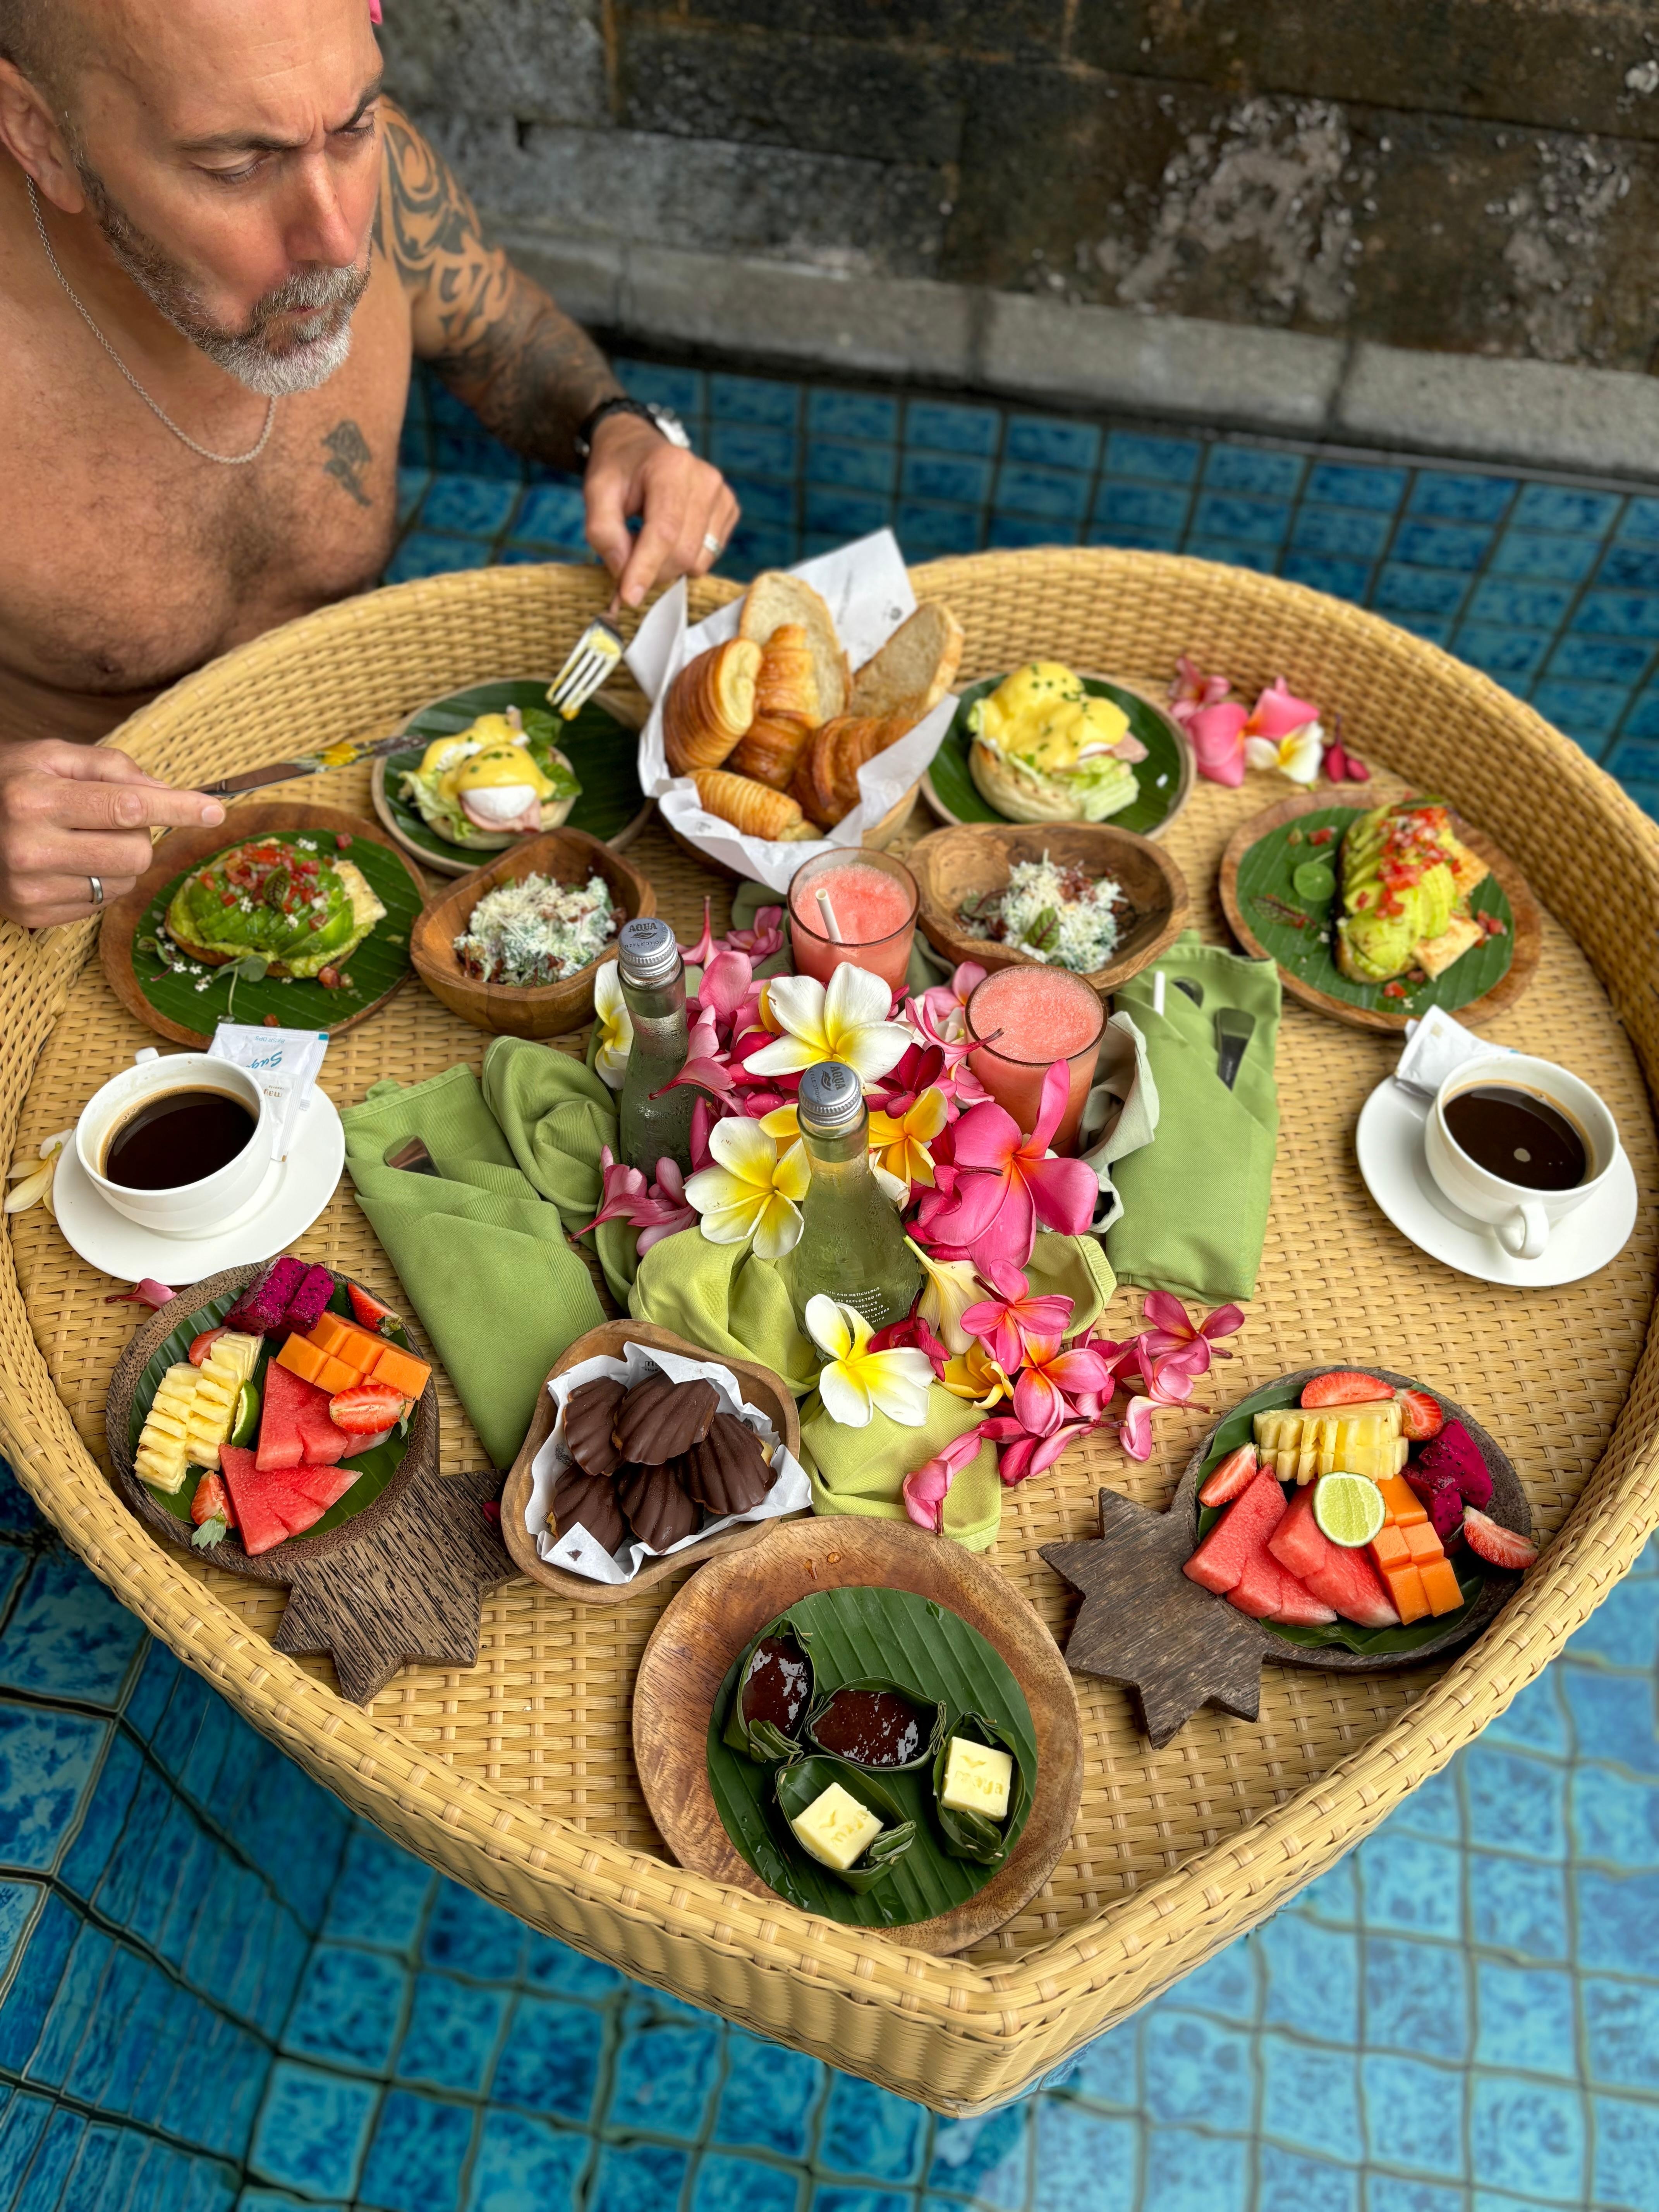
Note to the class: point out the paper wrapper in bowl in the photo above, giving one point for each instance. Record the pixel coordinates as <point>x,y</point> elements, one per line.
<point>578,1552</point>
<point>868,591</point>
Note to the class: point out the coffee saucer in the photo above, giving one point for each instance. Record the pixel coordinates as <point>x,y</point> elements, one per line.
<point>289,1200</point>
<point>1389,1144</point>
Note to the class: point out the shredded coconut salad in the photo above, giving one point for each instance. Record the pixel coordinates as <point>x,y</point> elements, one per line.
<point>537,931</point>
<point>1060,916</point>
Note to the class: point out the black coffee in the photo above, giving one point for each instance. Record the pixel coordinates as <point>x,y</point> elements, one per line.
<point>177,1137</point>
<point>1517,1136</point>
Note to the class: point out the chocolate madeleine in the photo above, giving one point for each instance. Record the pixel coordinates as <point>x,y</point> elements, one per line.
<point>727,1472</point>
<point>590,1417</point>
<point>591,1500</point>
<point>659,1509</point>
<point>658,1419</point>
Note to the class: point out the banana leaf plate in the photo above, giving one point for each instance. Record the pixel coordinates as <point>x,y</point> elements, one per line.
<point>1164,778</point>
<point>187,1000</point>
<point>600,744</point>
<point>1260,898</point>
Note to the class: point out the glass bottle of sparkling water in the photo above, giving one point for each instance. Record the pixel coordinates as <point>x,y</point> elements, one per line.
<point>653,977</point>
<point>851,1245</point>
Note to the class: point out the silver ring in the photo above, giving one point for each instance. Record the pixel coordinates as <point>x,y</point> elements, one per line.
<point>97,890</point>
<point>710,543</point>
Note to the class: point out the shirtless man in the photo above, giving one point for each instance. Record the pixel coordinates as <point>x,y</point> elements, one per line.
<point>220,247</point>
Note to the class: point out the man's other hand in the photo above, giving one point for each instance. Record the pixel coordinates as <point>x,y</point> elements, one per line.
<point>683,503</point>
<point>70,812</point>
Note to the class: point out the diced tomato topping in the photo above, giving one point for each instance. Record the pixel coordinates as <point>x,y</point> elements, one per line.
<point>1394,990</point>
<point>342,843</point>
<point>1320,837</point>
<point>329,978</point>
<point>226,898</point>
<point>271,1022</point>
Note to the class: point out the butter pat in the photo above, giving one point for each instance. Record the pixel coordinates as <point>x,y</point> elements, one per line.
<point>977,1778</point>
<point>835,1829</point>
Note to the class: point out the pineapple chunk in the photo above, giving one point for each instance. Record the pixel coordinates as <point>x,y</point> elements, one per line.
<point>162,1454</point>
<point>236,1351</point>
<point>1363,1439</point>
<point>213,1408</point>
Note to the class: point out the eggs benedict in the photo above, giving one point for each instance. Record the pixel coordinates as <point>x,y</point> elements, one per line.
<point>500,779</point>
<point>1044,750</point>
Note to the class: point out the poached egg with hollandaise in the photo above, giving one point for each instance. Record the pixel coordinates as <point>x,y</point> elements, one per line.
<point>1044,749</point>
<point>492,782</point>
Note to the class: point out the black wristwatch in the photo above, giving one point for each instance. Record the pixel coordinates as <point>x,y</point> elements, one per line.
<point>661,419</point>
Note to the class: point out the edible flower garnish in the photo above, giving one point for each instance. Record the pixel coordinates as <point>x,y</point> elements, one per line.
<point>616,1027</point>
<point>748,1192</point>
<point>855,1384</point>
<point>847,1023</point>
<point>30,1174</point>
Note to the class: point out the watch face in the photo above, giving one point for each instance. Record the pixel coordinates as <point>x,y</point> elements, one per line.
<point>670,425</point>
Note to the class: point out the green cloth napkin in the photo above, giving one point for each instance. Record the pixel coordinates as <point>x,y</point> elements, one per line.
<point>721,1296</point>
<point>556,1114</point>
<point>482,1256</point>
<point>1195,1200</point>
<point>863,1470</point>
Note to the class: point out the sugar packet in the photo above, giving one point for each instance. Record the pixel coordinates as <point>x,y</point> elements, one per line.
<point>1434,1047</point>
<point>285,1063</point>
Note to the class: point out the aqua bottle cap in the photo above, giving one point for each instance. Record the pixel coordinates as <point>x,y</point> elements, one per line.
<point>646,952</point>
<point>830,1100</point>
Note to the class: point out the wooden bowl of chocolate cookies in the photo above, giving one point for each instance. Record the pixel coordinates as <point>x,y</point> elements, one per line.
<point>655,1464</point>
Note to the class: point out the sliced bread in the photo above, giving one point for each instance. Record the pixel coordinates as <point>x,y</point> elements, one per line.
<point>913,669</point>
<point>776,598</point>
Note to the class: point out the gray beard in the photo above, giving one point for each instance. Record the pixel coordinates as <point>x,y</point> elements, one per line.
<point>255,356</point>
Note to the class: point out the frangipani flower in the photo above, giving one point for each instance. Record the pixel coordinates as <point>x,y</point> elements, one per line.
<point>1022,1454</point>
<point>660,1211</point>
<point>749,1192</point>
<point>900,1141</point>
<point>997,1210</point>
<point>847,1023</point>
<point>927,1487</point>
<point>952,1286</point>
<point>1164,1383</point>
<point>1173,1334</point>
<point>765,938</point>
<point>1006,1320</point>
<point>616,1027</point>
<point>977,1377</point>
<point>912,1330</point>
<point>31,1175</point>
<point>1192,690</point>
<point>856,1384</point>
<point>941,1014</point>
<point>1283,731</point>
<point>1049,1377</point>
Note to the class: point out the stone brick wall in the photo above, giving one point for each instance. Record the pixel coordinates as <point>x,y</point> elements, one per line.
<point>1477,176</point>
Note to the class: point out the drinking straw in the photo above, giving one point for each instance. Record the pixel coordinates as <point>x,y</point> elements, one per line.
<point>832,927</point>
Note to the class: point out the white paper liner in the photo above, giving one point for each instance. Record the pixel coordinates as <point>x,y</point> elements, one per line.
<point>868,592</point>
<point>1434,1047</point>
<point>791,1493</point>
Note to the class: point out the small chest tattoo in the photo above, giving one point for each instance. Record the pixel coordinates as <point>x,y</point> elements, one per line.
<point>348,456</point>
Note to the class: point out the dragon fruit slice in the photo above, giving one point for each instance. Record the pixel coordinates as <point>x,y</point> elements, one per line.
<point>260,1308</point>
<point>306,1302</point>
<point>1446,1511</point>
<point>1453,1456</point>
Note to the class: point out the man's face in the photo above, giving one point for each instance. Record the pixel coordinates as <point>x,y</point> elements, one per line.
<point>229,151</point>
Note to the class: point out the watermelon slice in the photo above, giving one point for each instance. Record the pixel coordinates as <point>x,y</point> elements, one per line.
<point>1259,1588</point>
<point>1298,1543</point>
<point>1349,1582</point>
<point>326,1445</point>
<point>255,1497</point>
<point>322,1485</point>
<point>294,1429</point>
<point>1241,1534</point>
<point>1298,1606</point>
<point>356,1446</point>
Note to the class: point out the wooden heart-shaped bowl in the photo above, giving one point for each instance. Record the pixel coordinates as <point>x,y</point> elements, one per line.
<point>953,865</point>
<point>759,1388</point>
<point>541,1010</point>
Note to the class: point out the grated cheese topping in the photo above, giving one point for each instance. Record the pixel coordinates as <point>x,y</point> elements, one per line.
<point>537,930</point>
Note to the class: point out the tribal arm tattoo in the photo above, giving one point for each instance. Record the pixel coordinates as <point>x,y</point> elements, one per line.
<point>498,341</point>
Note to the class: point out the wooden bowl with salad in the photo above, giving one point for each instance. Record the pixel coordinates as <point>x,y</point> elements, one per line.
<point>1084,895</point>
<point>514,947</point>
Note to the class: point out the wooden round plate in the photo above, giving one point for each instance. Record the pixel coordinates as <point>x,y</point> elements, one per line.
<point>1527,924</point>
<point>709,1622</point>
<point>950,789</point>
<point>1508,1507</point>
<point>288,1559</point>
<point>296,1005</point>
<point>453,710</point>
<point>761,1389</point>
<point>953,865</point>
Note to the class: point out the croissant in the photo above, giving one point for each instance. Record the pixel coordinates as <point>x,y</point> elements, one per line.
<point>787,709</point>
<point>826,783</point>
<point>710,704</point>
<point>751,807</point>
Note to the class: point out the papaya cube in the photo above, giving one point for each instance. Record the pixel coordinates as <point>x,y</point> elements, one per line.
<point>1400,1502</point>
<point>401,1370</point>
<point>1439,1579</point>
<point>1406,1588</point>
<point>1389,1548</point>
<point>343,1340</point>
<point>330,1331</point>
<point>1422,1543</point>
<point>303,1359</point>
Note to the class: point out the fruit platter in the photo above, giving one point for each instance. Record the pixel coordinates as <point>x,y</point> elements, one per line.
<point>268,1413</point>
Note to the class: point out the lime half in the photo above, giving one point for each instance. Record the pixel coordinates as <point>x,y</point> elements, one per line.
<point>1348,1509</point>
<point>244,1426</point>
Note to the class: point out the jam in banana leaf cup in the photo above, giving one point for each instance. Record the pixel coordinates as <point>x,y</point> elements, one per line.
<point>773,1693</point>
<point>874,1724</point>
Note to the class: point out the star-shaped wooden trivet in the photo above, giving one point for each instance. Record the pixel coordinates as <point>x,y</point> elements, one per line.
<point>411,1589</point>
<point>1145,1625</point>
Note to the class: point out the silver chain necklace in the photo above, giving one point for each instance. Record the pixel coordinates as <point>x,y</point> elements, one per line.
<point>225,460</point>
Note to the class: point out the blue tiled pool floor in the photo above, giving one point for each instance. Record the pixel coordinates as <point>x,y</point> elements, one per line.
<point>218,1990</point>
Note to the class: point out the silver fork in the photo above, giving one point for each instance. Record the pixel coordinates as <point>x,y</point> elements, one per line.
<point>593,659</point>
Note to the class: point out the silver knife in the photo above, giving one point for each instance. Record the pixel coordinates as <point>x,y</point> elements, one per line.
<point>346,753</point>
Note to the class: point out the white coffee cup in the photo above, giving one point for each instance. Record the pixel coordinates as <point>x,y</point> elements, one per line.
<point>188,1208</point>
<point>1519,1217</point>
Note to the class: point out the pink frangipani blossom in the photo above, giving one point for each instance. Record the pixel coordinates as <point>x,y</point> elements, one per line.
<point>927,1486</point>
<point>1006,1185</point>
<point>1010,1318</point>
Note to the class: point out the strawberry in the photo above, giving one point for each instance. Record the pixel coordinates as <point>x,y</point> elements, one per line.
<point>1420,1415</point>
<point>1343,1386</point>
<point>202,1344</point>
<point>371,1314</point>
<point>1230,1476</point>
<point>366,1408</point>
<point>211,1503</point>
<point>1498,1545</point>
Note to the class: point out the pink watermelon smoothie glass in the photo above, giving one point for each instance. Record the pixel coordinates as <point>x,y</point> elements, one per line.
<point>1037,1016</point>
<point>875,902</point>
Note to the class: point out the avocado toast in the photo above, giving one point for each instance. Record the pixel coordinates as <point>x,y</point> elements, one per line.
<point>1406,885</point>
<point>299,909</point>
